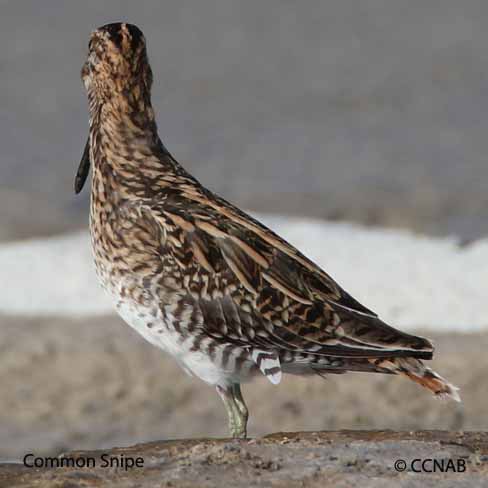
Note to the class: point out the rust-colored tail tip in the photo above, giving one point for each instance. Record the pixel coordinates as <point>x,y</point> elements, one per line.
<point>440,387</point>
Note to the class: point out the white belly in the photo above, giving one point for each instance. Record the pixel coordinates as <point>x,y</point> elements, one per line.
<point>161,333</point>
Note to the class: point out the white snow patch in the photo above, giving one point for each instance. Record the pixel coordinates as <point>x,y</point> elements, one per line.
<point>51,276</point>
<point>409,280</point>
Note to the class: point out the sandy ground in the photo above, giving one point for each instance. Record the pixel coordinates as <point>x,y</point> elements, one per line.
<point>86,384</point>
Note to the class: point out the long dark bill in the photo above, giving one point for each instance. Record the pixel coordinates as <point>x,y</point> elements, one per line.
<point>83,168</point>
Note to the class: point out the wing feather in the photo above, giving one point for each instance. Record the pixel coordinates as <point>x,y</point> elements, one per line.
<point>269,294</point>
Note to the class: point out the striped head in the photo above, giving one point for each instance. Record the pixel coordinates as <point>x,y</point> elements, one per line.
<point>118,79</point>
<point>117,63</point>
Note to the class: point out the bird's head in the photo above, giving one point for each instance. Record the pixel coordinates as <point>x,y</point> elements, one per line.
<point>117,63</point>
<point>117,76</point>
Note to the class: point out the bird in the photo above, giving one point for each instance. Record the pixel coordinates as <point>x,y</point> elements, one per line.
<point>201,279</point>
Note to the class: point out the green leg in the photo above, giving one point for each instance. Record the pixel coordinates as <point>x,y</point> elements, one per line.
<point>236,410</point>
<point>241,404</point>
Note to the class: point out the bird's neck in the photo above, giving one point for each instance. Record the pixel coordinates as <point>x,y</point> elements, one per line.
<point>124,144</point>
<point>122,124</point>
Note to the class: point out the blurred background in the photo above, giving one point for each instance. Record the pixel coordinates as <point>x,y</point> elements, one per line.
<point>372,113</point>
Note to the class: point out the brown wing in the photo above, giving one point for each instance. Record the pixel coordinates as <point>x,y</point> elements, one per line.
<point>256,289</point>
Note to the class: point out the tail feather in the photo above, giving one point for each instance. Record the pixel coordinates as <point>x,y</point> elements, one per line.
<point>415,370</point>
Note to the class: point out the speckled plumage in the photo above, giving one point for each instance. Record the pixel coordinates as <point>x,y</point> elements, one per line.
<point>198,277</point>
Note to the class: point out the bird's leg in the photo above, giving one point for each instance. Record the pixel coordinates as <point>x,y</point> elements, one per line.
<point>237,421</point>
<point>233,413</point>
<point>241,404</point>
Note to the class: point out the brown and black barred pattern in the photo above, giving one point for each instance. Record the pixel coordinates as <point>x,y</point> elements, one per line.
<point>232,284</point>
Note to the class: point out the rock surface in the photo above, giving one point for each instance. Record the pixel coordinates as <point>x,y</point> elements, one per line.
<point>313,459</point>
